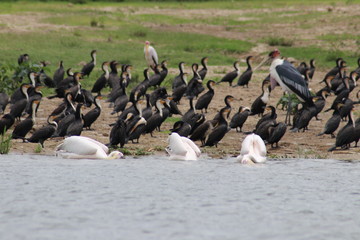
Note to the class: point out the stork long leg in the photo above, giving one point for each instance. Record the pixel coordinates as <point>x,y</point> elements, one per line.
<point>288,112</point>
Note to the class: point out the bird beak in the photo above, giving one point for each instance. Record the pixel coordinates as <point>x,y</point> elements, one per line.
<point>262,63</point>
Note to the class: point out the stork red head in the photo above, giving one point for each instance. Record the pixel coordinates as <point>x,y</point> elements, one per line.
<point>147,43</point>
<point>274,53</point>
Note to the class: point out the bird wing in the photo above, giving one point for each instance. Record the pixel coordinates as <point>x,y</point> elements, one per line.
<point>293,80</point>
<point>192,145</point>
<point>78,145</point>
<point>102,146</point>
<point>153,55</point>
<point>259,145</point>
<point>229,76</point>
<point>176,145</point>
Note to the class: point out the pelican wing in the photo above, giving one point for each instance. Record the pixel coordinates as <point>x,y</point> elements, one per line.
<point>293,80</point>
<point>191,144</point>
<point>259,146</point>
<point>102,146</point>
<point>78,146</point>
<point>252,149</point>
<point>176,145</point>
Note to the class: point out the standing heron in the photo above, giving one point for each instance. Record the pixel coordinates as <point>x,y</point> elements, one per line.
<point>151,56</point>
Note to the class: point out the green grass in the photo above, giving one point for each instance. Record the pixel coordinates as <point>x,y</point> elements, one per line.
<point>323,56</point>
<point>119,34</point>
<point>5,142</point>
<point>279,41</point>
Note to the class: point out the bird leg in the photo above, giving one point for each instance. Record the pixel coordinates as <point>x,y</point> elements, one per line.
<point>287,118</point>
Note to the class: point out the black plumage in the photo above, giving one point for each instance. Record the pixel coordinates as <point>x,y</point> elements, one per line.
<point>87,68</point>
<point>23,58</point>
<point>179,80</point>
<point>258,106</point>
<point>4,101</point>
<point>59,74</point>
<point>172,106</point>
<point>270,116</point>
<point>43,78</point>
<point>320,101</point>
<point>90,117</point>
<point>157,118</point>
<point>158,93</point>
<point>27,124</point>
<point>179,91</point>
<point>114,79</point>
<point>189,113</point>
<point>205,99</point>
<point>276,132</point>
<point>43,133</point>
<point>345,135</point>
<point>182,128</point>
<point>203,70</point>
<point>163,72</point>
<point>141,88</point>
<point>302,117</point>
<point>294,81</point>
<point>335,70</point>
<point>333,122</point>
<point>34,94</point>
<point>18,107</point>
<point>311,68</point>
<point>227,100</point>
<point>195,86</point>
<point>245,77</point>
<point>135,126</point>
<point>155,79</point>
<point>201,132</point>
<point>239,118</point>
<point>76,126</point>
<point>231,76</point>
<point>102,81</point>
<point>118,133</point>
<point>218,133</point>
<point>121,101</point>
<point>6,122</point>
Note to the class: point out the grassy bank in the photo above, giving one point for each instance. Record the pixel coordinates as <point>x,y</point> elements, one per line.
<point>55,31</point>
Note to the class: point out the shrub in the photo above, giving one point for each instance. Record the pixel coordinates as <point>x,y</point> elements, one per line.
<point>279,41</point>
<point>5,143</point>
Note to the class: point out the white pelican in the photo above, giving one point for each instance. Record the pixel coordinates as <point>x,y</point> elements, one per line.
<point>182,148</point>
<point>151,56</point>
<point>253,150</point>
<point>85,148</point>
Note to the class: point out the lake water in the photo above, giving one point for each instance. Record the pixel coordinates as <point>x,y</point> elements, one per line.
<point>44,197</point>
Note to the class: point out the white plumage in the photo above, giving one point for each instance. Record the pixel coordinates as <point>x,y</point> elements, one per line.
<point>85,148</point>
<point>182,148</point>
<point>151,56</point>
<point>253,150</point>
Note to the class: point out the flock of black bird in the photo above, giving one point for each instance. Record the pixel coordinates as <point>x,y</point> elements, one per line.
<point>151,104</point>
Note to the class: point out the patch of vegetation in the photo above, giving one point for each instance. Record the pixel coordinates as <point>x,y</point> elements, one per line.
<point>11,76</point>
<point>141,152</point>
<point>172,119</point>
<point>284,102</point>
<point>38,148</point>
<point>5,142</point>
<point>279,41</point>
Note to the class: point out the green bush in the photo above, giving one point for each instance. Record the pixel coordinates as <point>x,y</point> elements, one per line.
<point>279,41</point>
<point>5,143</point>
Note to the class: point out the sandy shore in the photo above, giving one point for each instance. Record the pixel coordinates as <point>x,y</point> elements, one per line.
<point>293,145</point>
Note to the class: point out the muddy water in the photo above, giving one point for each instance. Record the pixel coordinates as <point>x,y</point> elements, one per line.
<point>44,197</point>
